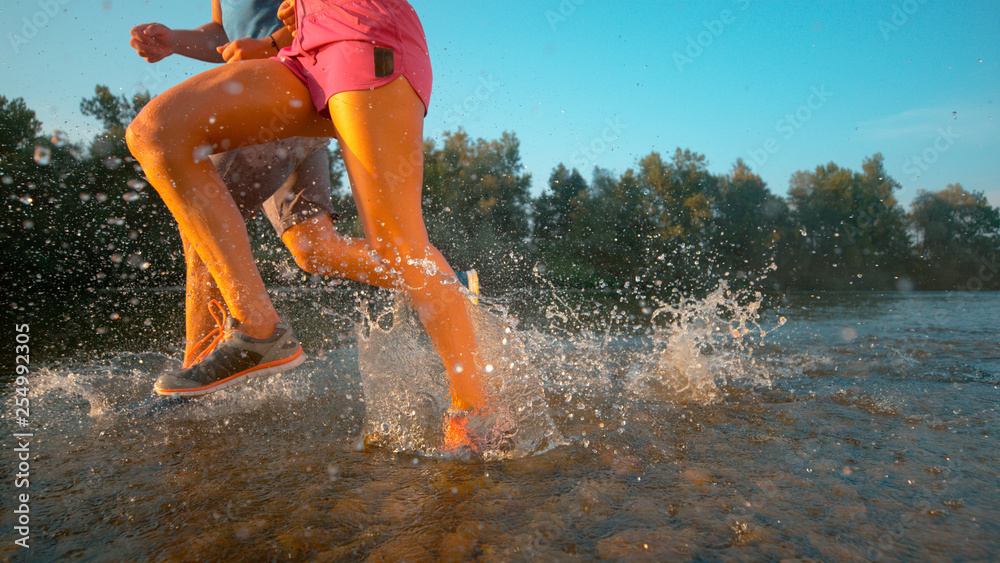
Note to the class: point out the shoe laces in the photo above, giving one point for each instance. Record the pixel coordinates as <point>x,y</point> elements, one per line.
<point>219,333</point>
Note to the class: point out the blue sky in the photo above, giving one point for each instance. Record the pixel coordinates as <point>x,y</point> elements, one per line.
<point>785,86</point>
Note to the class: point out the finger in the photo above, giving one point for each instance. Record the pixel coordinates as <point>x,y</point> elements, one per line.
<point>229,52</point>
<point>139,33</point>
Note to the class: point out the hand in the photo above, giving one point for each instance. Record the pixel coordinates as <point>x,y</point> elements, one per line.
<point>153,41</point>
<point>286,13</point>
<point>246,49</point>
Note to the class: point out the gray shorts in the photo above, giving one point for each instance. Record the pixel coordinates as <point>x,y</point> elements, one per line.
<point>289,179</point>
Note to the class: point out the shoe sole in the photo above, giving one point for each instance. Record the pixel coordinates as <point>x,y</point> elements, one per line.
<point>269,368</point>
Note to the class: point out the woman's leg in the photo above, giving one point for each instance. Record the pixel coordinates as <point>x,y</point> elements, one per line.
<point>226,107</point>
<point>381,137</point>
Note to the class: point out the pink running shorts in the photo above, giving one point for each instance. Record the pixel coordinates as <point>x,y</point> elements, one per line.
<point>344,45</point>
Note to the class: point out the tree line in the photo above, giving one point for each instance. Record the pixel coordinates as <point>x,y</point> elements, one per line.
<point>84,217</point>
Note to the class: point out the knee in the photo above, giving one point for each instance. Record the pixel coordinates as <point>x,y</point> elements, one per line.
<point>135,139</point>
<point>152,137</point>
<point>305,252</point>
<point>144,136</point>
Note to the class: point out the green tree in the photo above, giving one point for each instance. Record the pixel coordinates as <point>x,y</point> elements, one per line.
<point>678,200</point>
<point>18,128</point>
<point>561,228</point>
<point>751,225</point>
<point>957,234</point>
<point>853,231</point>
<point>619,229</point>
<point>476,204</point>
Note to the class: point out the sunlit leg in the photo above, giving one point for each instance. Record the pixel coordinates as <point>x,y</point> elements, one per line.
<point>319,249</point>
<point>381,137</point>
<point>223,108</point>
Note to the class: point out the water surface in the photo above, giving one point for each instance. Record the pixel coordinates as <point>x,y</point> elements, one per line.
<point>863,428</point>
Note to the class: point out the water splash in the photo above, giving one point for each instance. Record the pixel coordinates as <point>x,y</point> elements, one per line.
<point>407,393</point>
<point>702,342</point>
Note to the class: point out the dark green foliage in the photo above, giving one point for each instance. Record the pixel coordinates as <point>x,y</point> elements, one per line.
<point>852,229</point>
<point>476,205</point>
<point>956,239</point>
<point>79,219</point>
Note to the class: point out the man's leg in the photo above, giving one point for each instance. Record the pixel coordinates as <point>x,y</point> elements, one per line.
<point>200,290</point>
<point>319,249</point>
<point>381,137</point>
<point>301,213</point>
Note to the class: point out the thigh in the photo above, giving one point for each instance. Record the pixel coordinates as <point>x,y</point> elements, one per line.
<point>232,106</point>
<point>381,138</point>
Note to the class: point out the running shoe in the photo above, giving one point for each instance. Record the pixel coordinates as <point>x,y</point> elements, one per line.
<point>470,279</point>
<point>232,358</point>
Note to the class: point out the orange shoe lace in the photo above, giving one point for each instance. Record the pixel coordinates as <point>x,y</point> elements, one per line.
<point>219,332</point>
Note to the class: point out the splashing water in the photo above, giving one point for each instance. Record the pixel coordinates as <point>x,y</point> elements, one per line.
<point>703,341</point>
<point>407,393</point>
<point>694,345</point>
<point>690,439</point>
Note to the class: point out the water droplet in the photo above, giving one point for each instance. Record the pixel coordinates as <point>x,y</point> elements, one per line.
<point>101,198</point>
<point>58,139</point>
<point>84,197</point>
<point>7,180</point>
<point>233,87</point>
<point>295,103</point>
<point>201,152</point>
<point>28,224</point>
<point>26,199</point>
<point>112,162</point>
<point>488,368</point>
<point>137,185</point>
<point>42,155</point>
<point>130,196</point>
<point>458,367</point>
